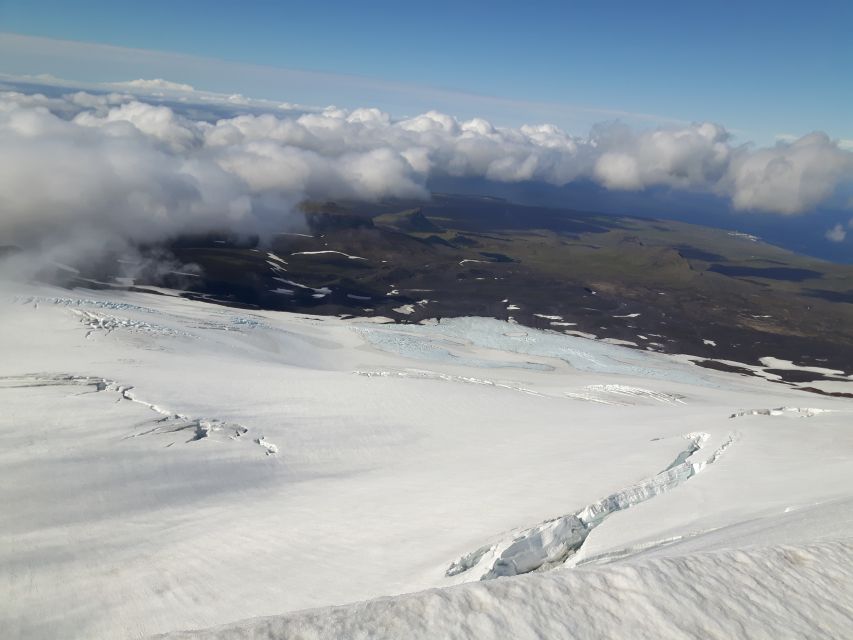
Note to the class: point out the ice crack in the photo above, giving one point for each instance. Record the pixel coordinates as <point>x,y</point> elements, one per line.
<point>804,412</point>
<point>423,374</point>
<point>168,421</point>
<point>621,394</point>
<point>552,542</point>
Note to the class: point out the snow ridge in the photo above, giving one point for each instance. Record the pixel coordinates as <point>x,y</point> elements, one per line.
<point>759,592</point>
<point>551,543</point>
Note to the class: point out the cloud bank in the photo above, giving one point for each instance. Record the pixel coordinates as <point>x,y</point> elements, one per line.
<point>112,168</point>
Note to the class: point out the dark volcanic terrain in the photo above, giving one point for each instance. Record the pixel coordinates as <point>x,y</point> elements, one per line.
<point>655,284</point>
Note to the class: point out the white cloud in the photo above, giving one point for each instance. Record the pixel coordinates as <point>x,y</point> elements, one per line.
<point>618,170</point>
<point>117,167</point>
<point>789,178</point>
<point>59,178</point>
<point>688,158</point>
<point>156,122</point>
<point>836,234</point>
<point>155,85</point>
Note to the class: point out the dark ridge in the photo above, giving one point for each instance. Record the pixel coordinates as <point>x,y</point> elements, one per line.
<point>463,241</point>
<point>214,240</point>
<point>323,222</point>
<point>692,253</point>
<point>795,375</point>
<point>438,240</point>
<point>722,366</point>
<point>757,283</point>
<point>497,257</point>
<point>834,394</point>
<point>773,273</point>
<point>473,214</point>
<point>411,221</point>
<point>831,296</point>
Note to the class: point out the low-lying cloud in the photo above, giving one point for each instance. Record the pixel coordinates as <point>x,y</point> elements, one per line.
<point>838,233</point>
<point>112,168</point>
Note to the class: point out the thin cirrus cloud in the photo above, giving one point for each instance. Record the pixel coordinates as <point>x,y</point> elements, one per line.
<point>103,169</point>
<point>33,55</point>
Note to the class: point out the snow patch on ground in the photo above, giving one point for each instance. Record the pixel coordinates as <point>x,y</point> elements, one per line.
<point>624,343</point>
<point>319,292</point>
<point>315,253</point>
<point>744,236</point>
<point>406,309</point>
<point>580,334</point>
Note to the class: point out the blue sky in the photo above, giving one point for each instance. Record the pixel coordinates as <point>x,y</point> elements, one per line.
<point>759,68</point>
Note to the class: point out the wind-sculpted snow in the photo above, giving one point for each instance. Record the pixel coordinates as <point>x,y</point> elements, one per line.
<point>781,592</point>
<point>594,356</point>
<point>549,544</point>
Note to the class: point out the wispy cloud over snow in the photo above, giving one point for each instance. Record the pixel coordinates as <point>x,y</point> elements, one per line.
<point>120,167</point>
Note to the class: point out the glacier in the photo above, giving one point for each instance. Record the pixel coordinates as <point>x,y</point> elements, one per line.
<point>181,468</point>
